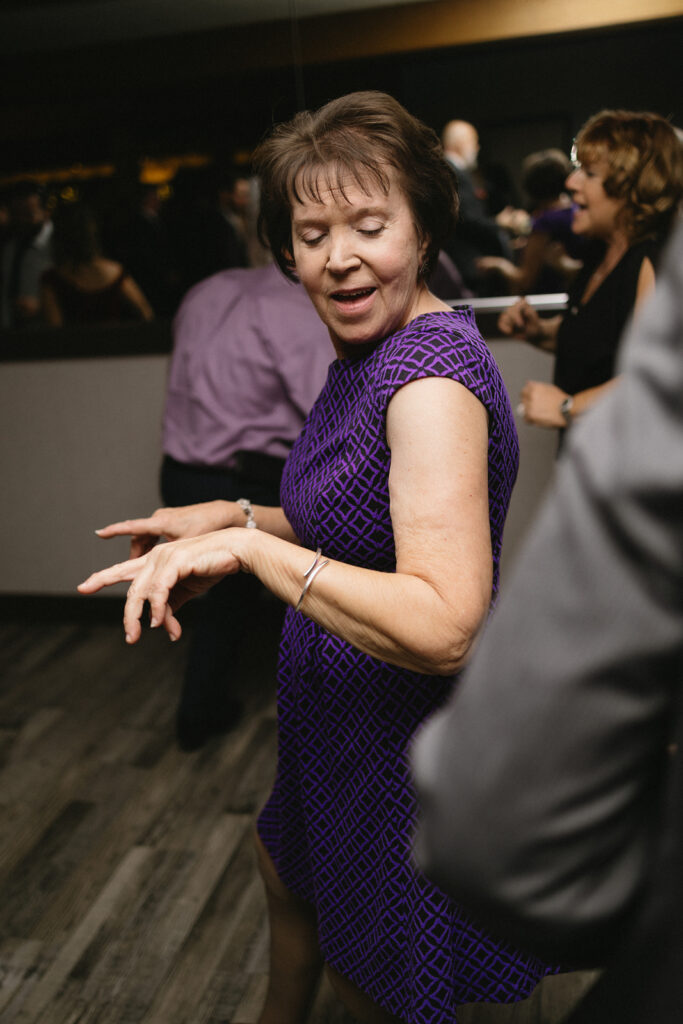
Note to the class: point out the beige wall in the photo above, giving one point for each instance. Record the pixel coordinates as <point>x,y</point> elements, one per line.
<point>81,441</point>
<point>81,444</point>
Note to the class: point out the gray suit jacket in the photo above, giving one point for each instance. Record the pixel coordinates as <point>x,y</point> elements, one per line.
<point>552,804</point>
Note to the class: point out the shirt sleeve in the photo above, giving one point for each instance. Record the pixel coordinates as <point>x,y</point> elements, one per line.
<point>455,351</point>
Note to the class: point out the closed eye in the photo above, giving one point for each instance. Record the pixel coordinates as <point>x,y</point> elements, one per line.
<point>371,232</point>
<point>311,240</point>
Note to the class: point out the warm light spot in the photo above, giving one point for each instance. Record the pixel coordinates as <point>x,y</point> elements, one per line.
<point>161,170</point>
<point>78,172</point>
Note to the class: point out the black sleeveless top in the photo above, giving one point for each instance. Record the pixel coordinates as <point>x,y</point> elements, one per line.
<point>589,335</point>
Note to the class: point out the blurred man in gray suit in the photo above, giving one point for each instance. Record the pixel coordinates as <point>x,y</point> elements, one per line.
<point>552,786</point>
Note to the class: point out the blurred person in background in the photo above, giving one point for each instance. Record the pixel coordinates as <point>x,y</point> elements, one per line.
<point>141,241</point>
<point>234,203</point>
<point>26,254</point>
<point>626,187</point>
<point>551,254</point>
<point>83,286</point>
<point>477,233</point>
<point>250,356</point>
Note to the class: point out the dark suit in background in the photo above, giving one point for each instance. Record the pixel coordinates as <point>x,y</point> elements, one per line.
<point>477,234</point>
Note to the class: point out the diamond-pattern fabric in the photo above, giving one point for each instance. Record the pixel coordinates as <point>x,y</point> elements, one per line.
<point>340,819</point>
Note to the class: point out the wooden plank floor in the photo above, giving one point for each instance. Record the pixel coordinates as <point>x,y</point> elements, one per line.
<point>128,889</point>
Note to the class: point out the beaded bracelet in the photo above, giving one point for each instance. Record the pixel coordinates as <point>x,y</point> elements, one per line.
<point>245,505</point>
<point>314,568</point>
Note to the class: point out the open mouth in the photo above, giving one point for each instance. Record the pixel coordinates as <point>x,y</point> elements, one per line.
<point>354,296</point>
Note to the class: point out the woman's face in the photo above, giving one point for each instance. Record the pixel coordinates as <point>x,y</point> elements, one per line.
<point>358,257</point>
<point>596,213</point>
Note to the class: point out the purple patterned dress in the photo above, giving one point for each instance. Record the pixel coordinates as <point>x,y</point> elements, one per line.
<point>340,819</point>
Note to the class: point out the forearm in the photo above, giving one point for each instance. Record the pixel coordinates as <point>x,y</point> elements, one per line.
<point>395,617</point>
<point>547,405</point>
<point>583,400</point>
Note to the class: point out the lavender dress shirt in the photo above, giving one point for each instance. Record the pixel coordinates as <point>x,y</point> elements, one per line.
<point>250,357</point>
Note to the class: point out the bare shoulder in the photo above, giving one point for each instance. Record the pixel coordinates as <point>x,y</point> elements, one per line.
<point>110,269</point>
<point>433,404</point>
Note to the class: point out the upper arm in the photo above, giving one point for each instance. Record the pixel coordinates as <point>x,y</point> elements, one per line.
<point>438,483</point>
<point>137,300</point>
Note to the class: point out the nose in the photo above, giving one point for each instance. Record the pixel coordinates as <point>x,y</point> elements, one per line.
<point>572,179</point>
<point>341,253</point>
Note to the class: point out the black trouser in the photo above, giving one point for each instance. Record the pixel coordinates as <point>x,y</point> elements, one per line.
<point>232,610</point>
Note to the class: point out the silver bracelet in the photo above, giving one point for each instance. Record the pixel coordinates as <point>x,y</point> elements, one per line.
<point>245,505</point>
<point>314,568</point>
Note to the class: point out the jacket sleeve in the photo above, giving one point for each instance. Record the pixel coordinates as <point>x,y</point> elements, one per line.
<point>541,782</point>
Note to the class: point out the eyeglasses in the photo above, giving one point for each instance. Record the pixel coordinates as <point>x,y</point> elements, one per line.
<point>573,158</point>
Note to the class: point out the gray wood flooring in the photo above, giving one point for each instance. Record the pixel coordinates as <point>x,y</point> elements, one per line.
<point>128,890</point>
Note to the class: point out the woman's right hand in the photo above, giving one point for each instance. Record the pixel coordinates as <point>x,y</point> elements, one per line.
<point>171,523</point>
<point>170,575</point>
<point>521,321</point>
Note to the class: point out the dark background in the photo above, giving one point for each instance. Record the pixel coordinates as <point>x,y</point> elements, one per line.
<point>119,102</point>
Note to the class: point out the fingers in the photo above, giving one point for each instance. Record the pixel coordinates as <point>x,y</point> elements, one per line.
<point>144,533</point>
<point>141,545</point>
<point>121,573</point>
<point>166,577</point>
<point>131,527</point>
<point>172,626</point>
<point>527,395</point>
<point>149,583</point>
<point>514,319</point>
<point>153,583</point>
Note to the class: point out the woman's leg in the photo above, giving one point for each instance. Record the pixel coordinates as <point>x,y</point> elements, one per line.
<point>357,1002</point>
<point>295,959</point>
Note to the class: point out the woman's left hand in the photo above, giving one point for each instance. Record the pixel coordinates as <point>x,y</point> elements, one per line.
<point>540,404</point>
<point>168,576</point>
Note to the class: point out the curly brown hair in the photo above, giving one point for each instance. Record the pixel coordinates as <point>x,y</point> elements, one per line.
<point>645,160</point>
<point>359,137</point>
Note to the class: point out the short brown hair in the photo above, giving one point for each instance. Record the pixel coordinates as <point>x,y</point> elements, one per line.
<point>544,174</point>
<point>359,136</point>
<point>645,167</point>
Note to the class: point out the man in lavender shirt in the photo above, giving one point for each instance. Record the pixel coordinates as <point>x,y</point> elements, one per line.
<point>249,359</point>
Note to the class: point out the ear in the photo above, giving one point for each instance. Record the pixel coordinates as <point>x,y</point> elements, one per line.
<point>422,256</point>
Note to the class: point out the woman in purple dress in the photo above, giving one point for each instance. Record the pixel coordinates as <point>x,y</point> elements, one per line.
<point>386,548</point>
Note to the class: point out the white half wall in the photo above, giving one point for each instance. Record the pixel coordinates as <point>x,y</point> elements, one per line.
<point>81,448</point>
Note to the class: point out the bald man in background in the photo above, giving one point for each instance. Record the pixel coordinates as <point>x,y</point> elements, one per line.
<point>477,233</point>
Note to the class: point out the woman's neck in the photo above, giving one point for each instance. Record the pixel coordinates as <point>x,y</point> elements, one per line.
<point>615,247</point>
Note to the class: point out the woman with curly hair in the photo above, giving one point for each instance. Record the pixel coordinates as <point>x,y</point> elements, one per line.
<point>626,184</point>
